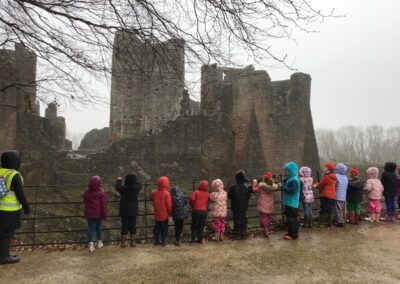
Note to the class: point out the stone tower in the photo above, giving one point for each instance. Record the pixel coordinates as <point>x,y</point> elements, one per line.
<point>147,85</point>
<point>17,91</point>
<point>271,122</point>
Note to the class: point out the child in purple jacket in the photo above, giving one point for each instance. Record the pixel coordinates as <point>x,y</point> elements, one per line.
<point>95,199</point>
<point>398,189</point>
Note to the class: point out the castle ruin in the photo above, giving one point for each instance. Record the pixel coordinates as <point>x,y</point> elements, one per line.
<point>147,85</point>
<point>244,120</point>
<point>22,126</point>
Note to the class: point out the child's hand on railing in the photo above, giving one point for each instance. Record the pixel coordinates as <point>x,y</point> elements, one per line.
<point>254,184</point>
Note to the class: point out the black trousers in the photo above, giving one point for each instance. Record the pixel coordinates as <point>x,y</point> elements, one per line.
<point>178,228</point>
<point>199,218</point>
<point>293,224</point>
<point>7,235</point>
<point>128,225</point>
<point>161,227</point>
<point>327,205</point>
<point>240,223</point>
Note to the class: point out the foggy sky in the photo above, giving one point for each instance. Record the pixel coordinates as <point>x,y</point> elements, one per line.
<point>353,61</point>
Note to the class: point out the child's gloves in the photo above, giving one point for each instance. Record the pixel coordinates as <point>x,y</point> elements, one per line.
<point>254,184</point>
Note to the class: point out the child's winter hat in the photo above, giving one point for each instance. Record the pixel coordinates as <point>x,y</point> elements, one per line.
<point>354,172</point>
<point>267,176</point>
<point>240,176</point>
<point>390,167</point>
<point>341,169</point>
<point>330,166</point>
<point>305,172</point>
<point>163,183</point>
<point>373,172</point>
<point>203,185</point>
<point>217,185</point>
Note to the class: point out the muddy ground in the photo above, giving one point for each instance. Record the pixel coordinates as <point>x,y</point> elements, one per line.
<point>368,253</point>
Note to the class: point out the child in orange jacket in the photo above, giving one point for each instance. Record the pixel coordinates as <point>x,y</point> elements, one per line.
<point>327,194</point>
<point>198,201</point>
<point>162,205</point>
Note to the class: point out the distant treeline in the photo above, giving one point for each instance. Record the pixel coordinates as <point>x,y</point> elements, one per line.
<point>351,144</point>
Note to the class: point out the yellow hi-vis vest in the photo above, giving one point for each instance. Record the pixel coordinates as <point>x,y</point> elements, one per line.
<point>9,202</point>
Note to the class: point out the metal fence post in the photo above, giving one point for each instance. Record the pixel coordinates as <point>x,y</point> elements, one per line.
<point>34,220</point>
<point>282,207</point>
<point>145,213</point>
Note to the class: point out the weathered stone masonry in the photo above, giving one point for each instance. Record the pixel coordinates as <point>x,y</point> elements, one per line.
<point>244,121</point>
<point>22,127</point>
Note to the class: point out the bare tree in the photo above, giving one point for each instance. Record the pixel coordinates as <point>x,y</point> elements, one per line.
<point>346,137</point>
<point>327,144</point>
<point>353,144</point>
<point>76,36</point>
<point>391,148</point>
<point>375,137</point>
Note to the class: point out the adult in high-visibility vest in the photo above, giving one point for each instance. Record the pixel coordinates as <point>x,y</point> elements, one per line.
<point>11,204</point>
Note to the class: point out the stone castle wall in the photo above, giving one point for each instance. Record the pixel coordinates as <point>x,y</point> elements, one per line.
<point>22,127</point>
<point>17,91</point>
<point>147,85</point>
<point>245,121</point>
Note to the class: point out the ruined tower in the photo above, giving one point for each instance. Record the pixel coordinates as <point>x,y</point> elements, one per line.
<point>22,127</point>
<point>271,122</point>
<point>17,91</point>
<point>147,85</point>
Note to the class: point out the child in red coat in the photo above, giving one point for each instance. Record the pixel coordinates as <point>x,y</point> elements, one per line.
<point>162,205</point>
<point>327,194</point>
<point>95,200</point>
<point>198,201</point>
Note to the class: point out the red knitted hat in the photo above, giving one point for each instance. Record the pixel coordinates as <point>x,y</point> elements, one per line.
<point>354,172</point>
<point>330,166</point>
<point>267,176</point>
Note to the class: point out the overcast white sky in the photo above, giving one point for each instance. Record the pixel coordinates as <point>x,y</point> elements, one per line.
<point>353,61</point>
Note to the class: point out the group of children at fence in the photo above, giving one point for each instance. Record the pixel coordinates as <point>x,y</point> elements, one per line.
<point>337,189</point>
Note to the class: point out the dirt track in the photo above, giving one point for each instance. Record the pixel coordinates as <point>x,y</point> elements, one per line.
<point>358,254</point>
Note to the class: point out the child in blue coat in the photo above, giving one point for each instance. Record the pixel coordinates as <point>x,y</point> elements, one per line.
<point>291,194</point>
<point>179,212</point>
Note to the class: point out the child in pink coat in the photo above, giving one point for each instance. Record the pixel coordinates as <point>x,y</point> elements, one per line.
<point>307,194</point>
<point>219,209</point>
<point>374,188</point>
<point>265,201</point>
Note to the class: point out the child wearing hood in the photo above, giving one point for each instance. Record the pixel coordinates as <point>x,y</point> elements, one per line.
<point>198,201</point>
<point>389,180</point>
<point>128,207</point>
<point>354,197</point>
<point>327,194</point>
<point>239,195</point>
<point>219,209</point>
<point>341,190</point>
<point>398,190</point>
<point>306,184</point>
<point>162,205</point>
<point>179,212</point>
<point>291,195</point>
<point>265,200</point>
<point>374,188</point>
<point>95,199</point>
